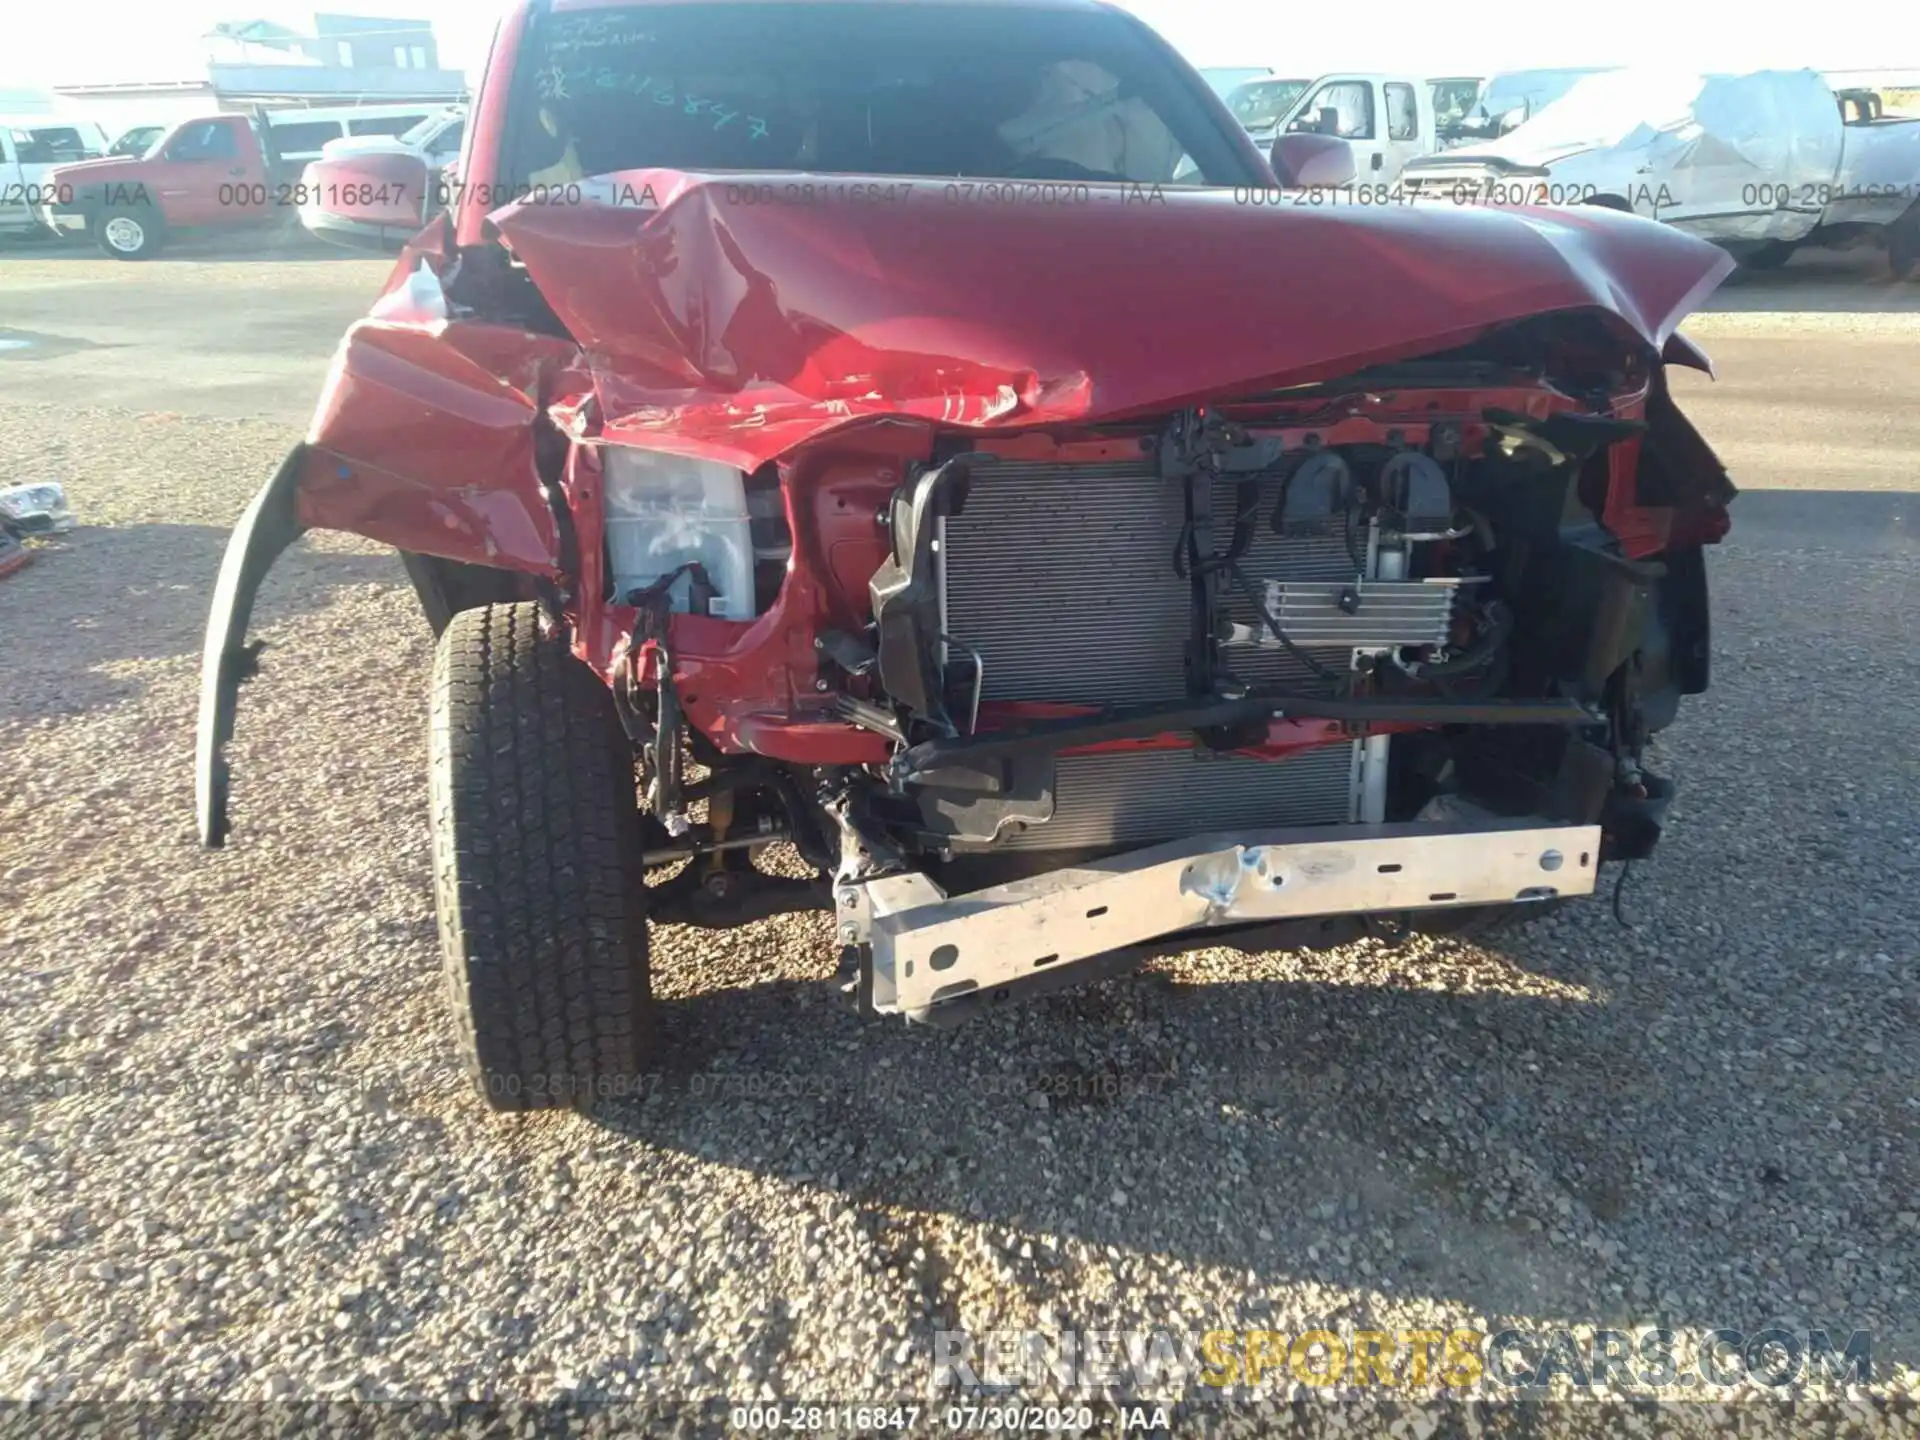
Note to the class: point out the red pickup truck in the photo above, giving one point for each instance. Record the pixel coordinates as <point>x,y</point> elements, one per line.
<point>216,172</point>
<point>920,436</point>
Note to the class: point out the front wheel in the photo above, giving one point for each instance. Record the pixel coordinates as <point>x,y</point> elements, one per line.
<point>133,233</point>
<point>539,879</point>
<point>1903,243</point>
<point>1768,256</point>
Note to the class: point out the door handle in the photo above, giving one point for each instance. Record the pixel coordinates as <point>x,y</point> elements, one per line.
<point>238,170</point>
<point>1378,159</point>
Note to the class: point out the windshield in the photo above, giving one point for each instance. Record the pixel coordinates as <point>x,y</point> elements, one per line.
<point>1223,79</point>
<point>419,134</point>
<point>1263,102</point>
<point>1452,99</point>
<point>53,145</point>
<point>922,90</point>
<point>136,141</point>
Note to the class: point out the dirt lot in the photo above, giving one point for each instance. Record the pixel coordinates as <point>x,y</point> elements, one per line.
<point>239,1164</point>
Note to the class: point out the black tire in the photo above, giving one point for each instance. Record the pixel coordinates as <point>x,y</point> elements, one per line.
<point>538,875</point>
<point>1903,243</point>
<point>1770,256</point>
<point>131,232</point>
<point>1609,202</point>
<point>287,233</point>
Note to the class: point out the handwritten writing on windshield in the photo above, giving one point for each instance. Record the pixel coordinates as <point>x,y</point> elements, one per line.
<point>577,33</point>
<point>557,83</point>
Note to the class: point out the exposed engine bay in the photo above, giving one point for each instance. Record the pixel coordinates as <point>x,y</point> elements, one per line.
<point>879,463</point>
<point>1040,673</point>
<point>1389,608</point>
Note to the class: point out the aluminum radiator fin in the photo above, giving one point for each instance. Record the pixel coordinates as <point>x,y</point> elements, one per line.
<point>1140,797</point>
<point>1386,613</point>
<point>1292,559</point>
<point>1062,577</point>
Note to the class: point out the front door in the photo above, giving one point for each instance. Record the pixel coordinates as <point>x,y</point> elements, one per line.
<point>211,175</point>
<point>1346,108</point>
<point>1406,135</point>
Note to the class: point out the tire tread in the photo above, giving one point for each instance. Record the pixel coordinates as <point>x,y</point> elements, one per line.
<point>536,829</point>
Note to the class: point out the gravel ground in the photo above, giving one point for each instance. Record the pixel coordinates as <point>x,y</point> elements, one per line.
<point>239,1163</point>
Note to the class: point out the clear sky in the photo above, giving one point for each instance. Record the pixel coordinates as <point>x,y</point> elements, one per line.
<point>77,41</point>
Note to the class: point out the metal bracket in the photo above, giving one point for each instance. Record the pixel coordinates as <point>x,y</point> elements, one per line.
<point>928,949</point>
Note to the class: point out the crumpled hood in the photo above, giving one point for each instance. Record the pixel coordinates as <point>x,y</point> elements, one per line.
<point>718,326</point>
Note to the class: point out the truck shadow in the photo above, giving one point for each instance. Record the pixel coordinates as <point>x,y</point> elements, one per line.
<point>1834,281</point>
<point>1370,1132</point>
<point>252,246</point>
<point>100,611</point>
<point>1705,1119</point>
<point>1873,522</point>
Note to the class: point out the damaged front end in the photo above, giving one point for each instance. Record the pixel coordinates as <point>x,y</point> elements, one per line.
<point>1236,576</point>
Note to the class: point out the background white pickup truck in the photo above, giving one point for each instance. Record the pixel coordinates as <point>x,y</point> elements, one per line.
<point>1387,119</point>
<point>1260,105</point>
<point>436,140</point>
<point>29,148</point>
<point>1759,164</point>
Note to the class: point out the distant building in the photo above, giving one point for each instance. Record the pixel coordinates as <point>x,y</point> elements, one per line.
<point>340,60</point>
<point>26,102</point>
<point>339,42</point>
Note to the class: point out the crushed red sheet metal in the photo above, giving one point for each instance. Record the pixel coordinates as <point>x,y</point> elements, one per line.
<point>737,332</point>
<point>740,332</point>
<point>425,438</point>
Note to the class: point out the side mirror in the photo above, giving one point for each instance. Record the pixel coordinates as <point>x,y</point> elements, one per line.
<point>1305,162</point>
<point>1511,119</point>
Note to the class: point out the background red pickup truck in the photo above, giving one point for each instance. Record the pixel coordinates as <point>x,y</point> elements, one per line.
<point>217,172</point>
<point>212,173</point>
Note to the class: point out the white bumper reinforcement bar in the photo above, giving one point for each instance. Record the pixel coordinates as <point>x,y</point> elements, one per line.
<point>928,949</point>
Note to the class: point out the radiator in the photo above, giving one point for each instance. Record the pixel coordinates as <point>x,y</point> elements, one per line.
<point>1061,576</point>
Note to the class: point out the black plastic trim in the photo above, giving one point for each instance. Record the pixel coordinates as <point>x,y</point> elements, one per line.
<point>905,589</point>
<point>265,529</point>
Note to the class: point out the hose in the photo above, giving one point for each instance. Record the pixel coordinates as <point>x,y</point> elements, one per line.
<point>1481,652</point>
<point>1229,561</point>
